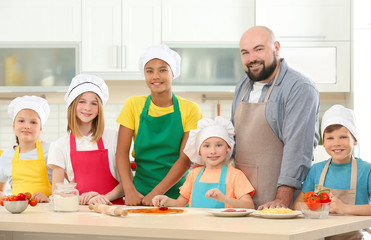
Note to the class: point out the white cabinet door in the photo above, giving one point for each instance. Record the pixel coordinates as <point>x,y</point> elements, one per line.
<point>326,64</point>
<point>101,35</point>
<point>40,20</point>
<point>206,20</point>
<point>362,16</point>
<point>141,29</point>
<point>310,20</point>
<point>116,33</point>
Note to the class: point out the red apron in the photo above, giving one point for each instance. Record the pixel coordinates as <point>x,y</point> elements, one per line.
<point>91,170</point>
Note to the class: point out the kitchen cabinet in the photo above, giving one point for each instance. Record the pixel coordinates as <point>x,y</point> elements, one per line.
<point>362,16</point>
<point>306,20</point>
<point>206,21</point>
<point>40,20</point>
<point>327,64</point>
<point>116,32</point>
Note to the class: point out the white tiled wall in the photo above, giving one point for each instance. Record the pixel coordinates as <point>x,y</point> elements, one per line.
<point>56,125</point>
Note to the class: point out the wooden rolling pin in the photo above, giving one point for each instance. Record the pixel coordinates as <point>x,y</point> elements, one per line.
<point>109,210</point>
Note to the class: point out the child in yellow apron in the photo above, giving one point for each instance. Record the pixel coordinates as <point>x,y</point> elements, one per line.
<point>24,165</point>
<point>159,125</point>
<point>217,184</point>
<point>348,178</point>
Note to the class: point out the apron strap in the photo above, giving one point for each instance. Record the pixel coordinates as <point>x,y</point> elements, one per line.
<point>39,150</point>
<point>353,177</point>
<point>270,88</point>
<point>72,142</point>
<point>223,174</point>
<point>148,103</point>
<point>100,144</point>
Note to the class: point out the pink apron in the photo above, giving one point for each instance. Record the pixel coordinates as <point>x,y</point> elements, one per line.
<point>258,149</point>
<point>346,196</point>
<point>91,170</point>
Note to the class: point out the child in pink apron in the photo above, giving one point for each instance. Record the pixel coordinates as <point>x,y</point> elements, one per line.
<point>217,184</point>
<point>348,178</point>
<point>25,165</point>
<point>86,155</point>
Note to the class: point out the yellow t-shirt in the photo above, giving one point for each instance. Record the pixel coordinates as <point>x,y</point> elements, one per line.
<point>130,113</point>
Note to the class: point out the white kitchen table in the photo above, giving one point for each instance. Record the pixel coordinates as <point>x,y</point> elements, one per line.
<point>41,222</point>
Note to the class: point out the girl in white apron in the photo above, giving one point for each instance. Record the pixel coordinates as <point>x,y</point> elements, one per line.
<point>342,172</point>
<point>25,165</point>
<point>215,185</point>
<point>86,155</point>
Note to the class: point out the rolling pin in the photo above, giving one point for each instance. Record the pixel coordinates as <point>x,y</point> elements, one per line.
<point>109,210</point>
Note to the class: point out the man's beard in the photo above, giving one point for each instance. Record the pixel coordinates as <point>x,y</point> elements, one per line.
<point>265,73</point>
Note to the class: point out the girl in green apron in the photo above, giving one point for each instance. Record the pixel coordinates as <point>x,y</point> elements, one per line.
<point>216,185</point>
<point>158,124</point>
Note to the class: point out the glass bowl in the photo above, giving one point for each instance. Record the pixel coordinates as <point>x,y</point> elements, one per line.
<point>15,206</point>
<point>315,210</point>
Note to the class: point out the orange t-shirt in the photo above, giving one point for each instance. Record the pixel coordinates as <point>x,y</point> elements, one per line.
<point>237,183</point>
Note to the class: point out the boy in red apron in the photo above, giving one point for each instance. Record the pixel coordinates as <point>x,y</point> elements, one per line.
<point>217,184</point>
<point>348,178</point>
<point>86,155</point>
<point>25,165</point>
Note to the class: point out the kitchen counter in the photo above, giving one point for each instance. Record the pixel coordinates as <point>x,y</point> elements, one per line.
<point>194,224</point>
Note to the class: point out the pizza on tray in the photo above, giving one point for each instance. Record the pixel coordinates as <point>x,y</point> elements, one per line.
<point>155,211</point>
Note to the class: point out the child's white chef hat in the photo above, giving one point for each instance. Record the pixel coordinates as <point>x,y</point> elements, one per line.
<point>38,104</point>
<point>164,53</point>
<point>341,115</point>
<point>86,83</point>
<point>206,128</point>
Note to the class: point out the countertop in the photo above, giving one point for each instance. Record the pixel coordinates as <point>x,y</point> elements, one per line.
<point>195,223</point>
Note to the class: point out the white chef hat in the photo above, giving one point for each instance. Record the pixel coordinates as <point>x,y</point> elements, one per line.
<point>38,104</point>
<point>341,115</point>
<point>206,128</point>
<point>86,83</point>
<point>164,53</point>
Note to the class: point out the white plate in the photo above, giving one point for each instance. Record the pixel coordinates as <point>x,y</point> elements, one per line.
<point>221,213</point>
<point>270,215</point>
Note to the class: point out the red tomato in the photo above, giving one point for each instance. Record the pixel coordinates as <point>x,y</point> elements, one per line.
<point>1,202</point>
<point>32,202</point>
<point>312,203</point>
<point>308,195</point>
<point>13,198</point>
<point>133,165</point>
<point>21,196</point>
<point>28,195</point>
<point>230,210</point>
<point>324,197</point>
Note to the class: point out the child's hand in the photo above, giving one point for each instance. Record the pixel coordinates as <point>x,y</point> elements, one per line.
<point>40,197</point>
<point>336,205</point>
<point>216,194</point>
<point>85,197</point>
<point>160,200</point>
<point>100,199</point>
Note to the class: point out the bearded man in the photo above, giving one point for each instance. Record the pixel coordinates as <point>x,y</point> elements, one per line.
<point>275,113</point>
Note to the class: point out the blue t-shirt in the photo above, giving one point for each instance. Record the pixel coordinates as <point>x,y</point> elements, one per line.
<point>338,177</point>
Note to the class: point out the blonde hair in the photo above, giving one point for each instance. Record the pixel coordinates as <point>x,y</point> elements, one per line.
<point>97,127</point>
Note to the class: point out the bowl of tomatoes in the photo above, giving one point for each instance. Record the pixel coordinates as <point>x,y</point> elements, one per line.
<point>18,203</point>
<point>316,205</point>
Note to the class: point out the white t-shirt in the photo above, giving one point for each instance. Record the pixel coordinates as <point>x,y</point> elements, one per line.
<point>256,92</point>
<point>7,157</point>
<point>59,152</point>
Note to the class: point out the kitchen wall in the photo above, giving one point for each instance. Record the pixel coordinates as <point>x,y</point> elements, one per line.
<point>119,92</point>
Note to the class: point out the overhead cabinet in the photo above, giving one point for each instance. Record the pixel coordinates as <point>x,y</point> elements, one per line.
<point>40,20</point>
<point>207,20</point>
<point>307,20</point>
<point>116,32</point>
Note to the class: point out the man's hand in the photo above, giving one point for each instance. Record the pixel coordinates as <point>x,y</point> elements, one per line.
<point>283,198</point>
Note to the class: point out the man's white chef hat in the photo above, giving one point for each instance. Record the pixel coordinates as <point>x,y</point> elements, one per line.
<point>206,128</point>
<point>164,53</point>
<point>86,83</point>
<point>37,104</point>
<point>341,115</point>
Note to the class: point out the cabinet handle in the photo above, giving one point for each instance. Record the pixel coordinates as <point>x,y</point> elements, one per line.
<point>116,56</point>
<point>124,57</point>
<point>314,37</point>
